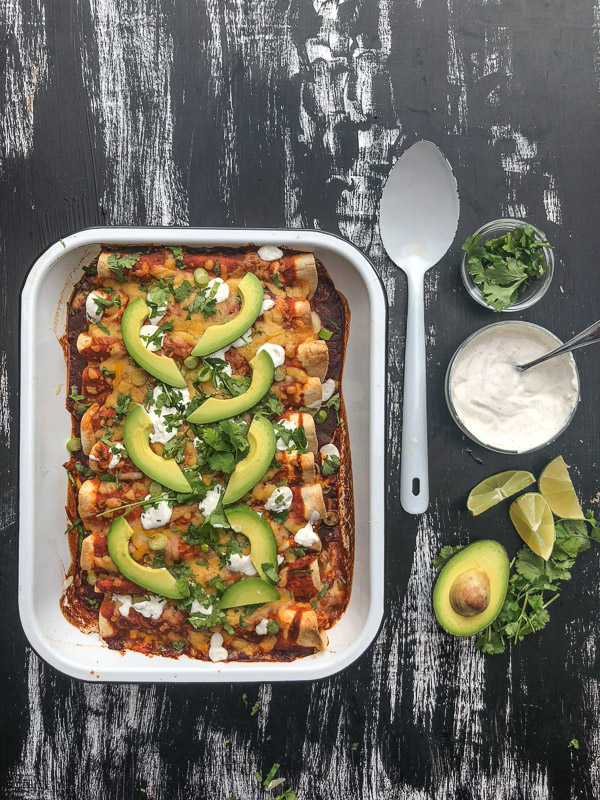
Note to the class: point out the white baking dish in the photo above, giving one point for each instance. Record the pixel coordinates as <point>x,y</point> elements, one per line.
<point>45,427</point>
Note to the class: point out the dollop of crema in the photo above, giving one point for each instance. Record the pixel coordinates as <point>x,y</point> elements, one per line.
<point>502,407</point>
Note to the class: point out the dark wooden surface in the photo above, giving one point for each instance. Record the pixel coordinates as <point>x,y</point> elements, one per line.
<point>273,113</point>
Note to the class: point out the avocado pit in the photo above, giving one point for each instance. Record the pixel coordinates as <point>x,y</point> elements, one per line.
<point>470,593</point>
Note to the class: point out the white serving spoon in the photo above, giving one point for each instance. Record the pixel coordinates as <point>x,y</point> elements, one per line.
<point>418,218</point>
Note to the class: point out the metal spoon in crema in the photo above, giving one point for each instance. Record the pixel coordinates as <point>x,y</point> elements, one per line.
<point>418,218</point>
<point>588,336</point>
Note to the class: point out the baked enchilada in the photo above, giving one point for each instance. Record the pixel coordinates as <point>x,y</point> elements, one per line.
<point>210,492</point>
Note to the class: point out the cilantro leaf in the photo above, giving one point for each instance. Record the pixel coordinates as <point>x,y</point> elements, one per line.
<point>505,267</point>
<point>119,263</point>
<point>445,555</point>
<point>183,291</point>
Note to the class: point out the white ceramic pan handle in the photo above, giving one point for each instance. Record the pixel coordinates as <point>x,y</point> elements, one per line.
<point>414,474</point>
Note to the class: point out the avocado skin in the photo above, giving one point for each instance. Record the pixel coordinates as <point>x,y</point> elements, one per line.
<point>160,581</point>
<point>215,409</point>
<point>250,470</point>
<point>136,436</point>
<point>486,555</point>
<point>162,367</point>
<point>247,592</point>
<point>218,336</point>
<point>263,546</point>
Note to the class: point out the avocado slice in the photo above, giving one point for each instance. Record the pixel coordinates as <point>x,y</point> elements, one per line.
<point>215,409</point>
<point>250,470</point>
<point>136,436</point>
<point>470,590</point>
<point>248,592</point>
<point>263,546</point>
<point>218,336</point>
<point>162,367</point>
<point>159,581</point>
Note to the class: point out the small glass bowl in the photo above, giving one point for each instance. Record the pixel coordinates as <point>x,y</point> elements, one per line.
<point>532,294</point>
<point>459,422</point>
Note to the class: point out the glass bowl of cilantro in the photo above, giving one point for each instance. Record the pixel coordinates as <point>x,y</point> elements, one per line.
<point>507,265</point>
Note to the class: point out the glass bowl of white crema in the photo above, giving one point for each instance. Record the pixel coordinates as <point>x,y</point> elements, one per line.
<point>501,408</point>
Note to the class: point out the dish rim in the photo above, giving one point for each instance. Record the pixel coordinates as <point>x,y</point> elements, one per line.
<point>158,669</point>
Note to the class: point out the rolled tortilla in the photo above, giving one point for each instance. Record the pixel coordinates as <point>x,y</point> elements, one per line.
<point>314,357</point>
<point>299,467</point>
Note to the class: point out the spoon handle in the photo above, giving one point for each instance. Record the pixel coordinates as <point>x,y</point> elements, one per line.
<point>588,336</point>
<point>414,475</point>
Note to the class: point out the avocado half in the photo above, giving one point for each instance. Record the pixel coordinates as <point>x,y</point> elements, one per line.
<point>250,469</point>
<point>218,336</point>
<point>160,581</point>
<point>136,436</point>
<point>477,572</point>
<point>215,409</point>
<point>248,592</point>
<point>263,547</point>
<point>162,367</point>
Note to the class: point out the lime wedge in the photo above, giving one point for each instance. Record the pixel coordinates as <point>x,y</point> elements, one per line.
<point>532,517</point>
<point>556,486</point>
<point>496,488</point>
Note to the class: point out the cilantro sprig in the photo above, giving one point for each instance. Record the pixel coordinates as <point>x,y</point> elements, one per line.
<point>503,268</point>
<point>119,263</point>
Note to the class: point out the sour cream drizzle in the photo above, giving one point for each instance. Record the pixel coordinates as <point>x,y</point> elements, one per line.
<point>502,407</point>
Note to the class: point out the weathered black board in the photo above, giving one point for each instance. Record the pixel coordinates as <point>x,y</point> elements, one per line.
<point>274,113</point>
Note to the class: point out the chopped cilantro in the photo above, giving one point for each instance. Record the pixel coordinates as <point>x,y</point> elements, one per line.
<point>123,403</point>
<point>107,372</point>
<point>330,465</point>
<point>334,402</point>
<point>80,408</point>
<point>503,268</point>
<point>102,327</point>
<point>277,280</point>
<point>217,267</point>
<point>323,592</point>
<point>273,626</point>
<point>280,516</point>
<point>118,264</point>
<point>178,256</point>
<point>573,744</point>
<point>183,291</point>
<point>86,471</point>
<point>175,448</point>
<point>271,572</point>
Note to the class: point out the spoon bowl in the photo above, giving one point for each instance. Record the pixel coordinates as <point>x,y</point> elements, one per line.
<point>418,218</point>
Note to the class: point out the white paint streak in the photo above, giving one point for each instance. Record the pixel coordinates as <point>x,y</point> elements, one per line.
<point>518,156</point>
<point>497,61</point>
<point>132,105</point>
<point>457,101</point>
<point>421,634</point>
<point>25,70</point>
<point>552,201</point>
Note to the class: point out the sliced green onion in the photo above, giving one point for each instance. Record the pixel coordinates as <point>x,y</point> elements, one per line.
<point>320,416</point>
<point>73,445</point>
<point>279,373</point>
<point>330,519</point>
<point>139,377</point>
<point>201,277</point>
<point>158,541</point>
<point>155,488</point>
<point>191,362</point>
<point>325,334</point>
<point>204,548</point>
<point>92,578</point>
<point>192,376</point>
<point>203,374</point>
